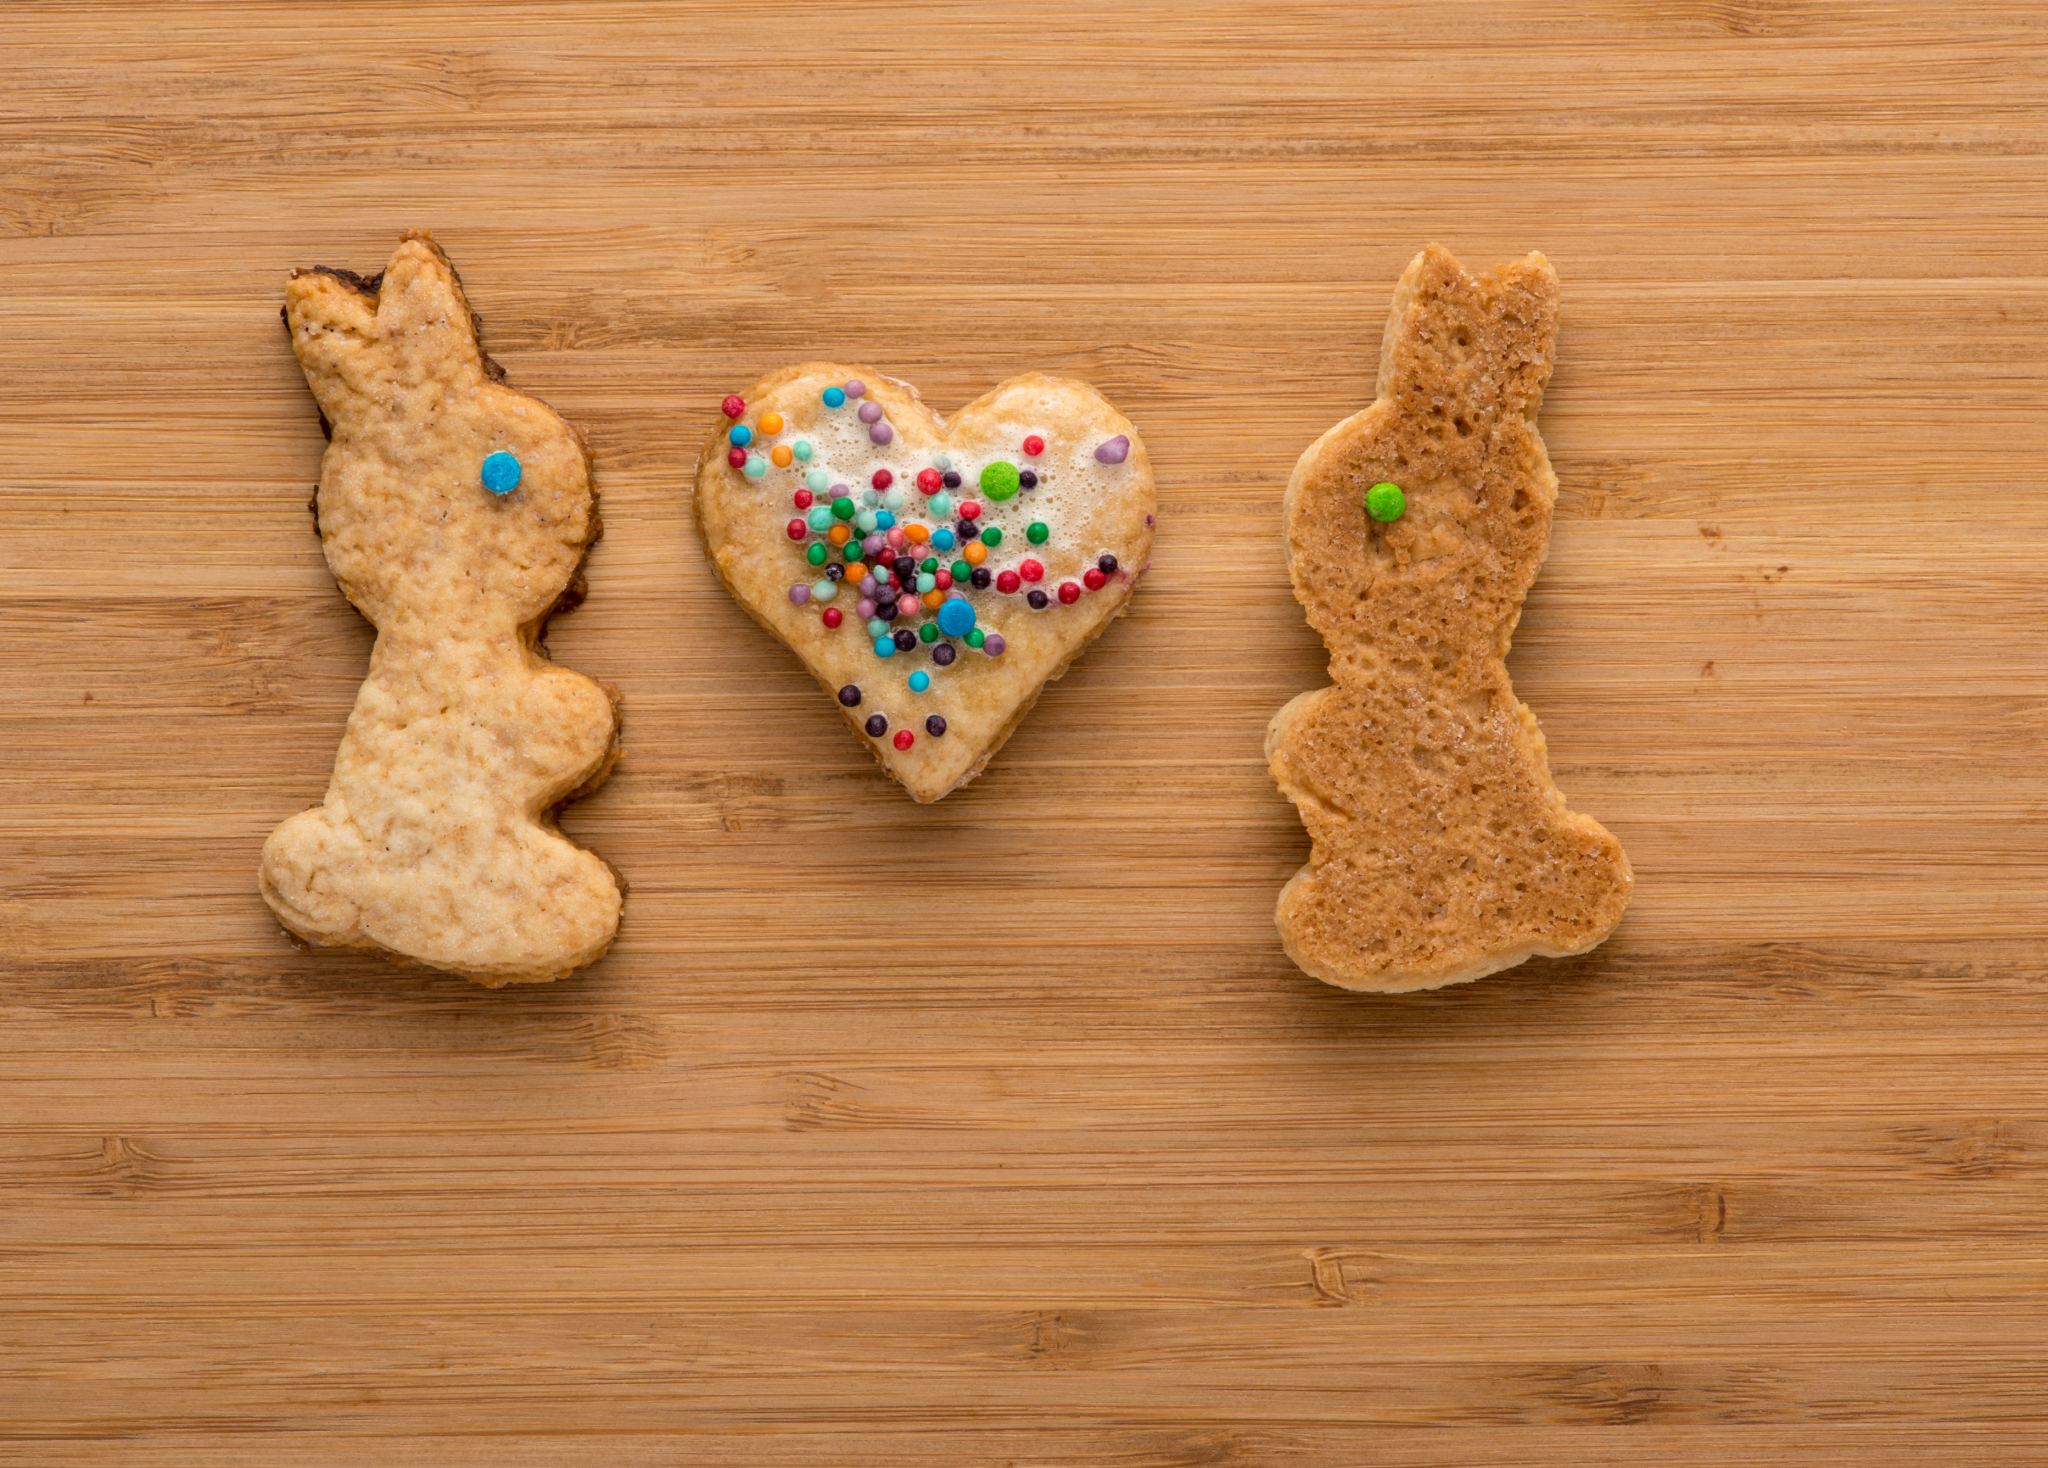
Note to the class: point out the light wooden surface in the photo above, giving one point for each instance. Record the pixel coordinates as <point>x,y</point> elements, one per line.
<point>1046,1156</point>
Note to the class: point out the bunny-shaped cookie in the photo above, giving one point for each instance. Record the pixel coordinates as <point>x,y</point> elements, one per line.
<point>436,842</point>
<point>1441,850</point>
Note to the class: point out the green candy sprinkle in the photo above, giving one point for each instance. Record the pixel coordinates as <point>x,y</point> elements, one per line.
<point>961,571</point>
<point>929,565</point>
<point>1385,502</point>
<point>1038,534</point>
<point>976,637</point>
<point>999,481</point>
<point>992,537</point>
<point>929,632</point>
<point>816,554</point>
<point>843,508</point>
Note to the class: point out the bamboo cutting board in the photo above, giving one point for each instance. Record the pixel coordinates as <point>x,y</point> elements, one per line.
<point>1044,1154</point>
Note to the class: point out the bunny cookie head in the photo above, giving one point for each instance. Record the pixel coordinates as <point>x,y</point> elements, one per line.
<point>436,842</point>
<point>414,409</point>
<point>1442,851</point>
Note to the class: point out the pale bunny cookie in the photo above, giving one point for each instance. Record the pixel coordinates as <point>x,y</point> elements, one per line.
<point>1442,851</point>
<point>455,513</point>
<point>933,573</point>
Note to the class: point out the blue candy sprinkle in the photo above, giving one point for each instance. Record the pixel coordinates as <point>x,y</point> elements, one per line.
<point>942,538</point>
<point>956,618</point>
<point>501,473</point>
<point>920,681</point>
<point>741,435</point>
<point>834,397</point>
<point>884,520</point>
<point>885,647</point>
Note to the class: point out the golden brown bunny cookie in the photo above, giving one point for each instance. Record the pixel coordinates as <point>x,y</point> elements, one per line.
<point>1442,851</point>
<point>455,513</point>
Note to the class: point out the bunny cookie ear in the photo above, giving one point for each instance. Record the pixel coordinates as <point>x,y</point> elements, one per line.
<point>1441,317</point>
<point>421,296</point>
<point>334,334</point>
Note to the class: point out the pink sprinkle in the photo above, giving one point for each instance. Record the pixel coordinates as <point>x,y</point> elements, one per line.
<point>881,433</point>
<point>799,594</point>
<point>1115,451</point>
<point>856,388</point>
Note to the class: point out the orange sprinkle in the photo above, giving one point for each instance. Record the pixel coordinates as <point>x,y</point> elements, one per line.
<point>854,571</point>
<point>839,535</point>
<point>771,423</point>
<point>933,600</point>
<point>780,456</point>
<point>975,553</point>
<point>917,533</point>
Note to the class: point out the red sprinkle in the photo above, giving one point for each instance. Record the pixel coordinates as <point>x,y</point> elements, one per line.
<point>1007,583</point>
<point>1069,593</point>
<point>929,481</point>
<point>970,510</point>
<point>883,479</point>
<point>943,580</point>
<point>904,739</point>
<point>1034,445</point>
<point>1093,579</point>
<point>796,529</point>
<point>734,406</point>
<point>803,499</point>
<point>833,616</point>
<point>1031,570</point>
<point>737,458</point>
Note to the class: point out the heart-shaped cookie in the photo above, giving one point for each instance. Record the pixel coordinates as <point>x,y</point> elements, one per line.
<point>934,574</point>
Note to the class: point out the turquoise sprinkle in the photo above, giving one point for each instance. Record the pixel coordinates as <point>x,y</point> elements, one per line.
<point>942,504</point>
<point>501,473</point>
<point>756,466</point>
<point>885,647</point>
<point>834,397</point>
<point>740,434</point>
<point>893,499</point>
<point>926,581</point>
<point>869,521</point>
<point>802,449</point>
<point>920,681</point>
<point>817,481</point>
<point>877,627</point>
<point>824,589</point>
<point>820,518</point>
<point>956,617</point>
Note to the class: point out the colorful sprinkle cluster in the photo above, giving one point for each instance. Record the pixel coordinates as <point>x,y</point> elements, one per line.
<point>911,566</point>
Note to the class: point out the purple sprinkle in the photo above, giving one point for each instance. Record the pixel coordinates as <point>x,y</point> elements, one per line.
<point>956,594</point>
<point>994,645</point>
<point>856,388</point>
<point>881,433</point>
<point>1115,451</point>
<point>869,586</point>
<point>870,412</point>
<point>874,543</point>
<point>799,594</point>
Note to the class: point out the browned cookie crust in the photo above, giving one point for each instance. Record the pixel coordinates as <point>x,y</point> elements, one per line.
<point>1442,851</point>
